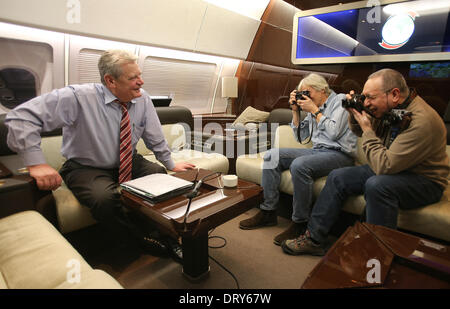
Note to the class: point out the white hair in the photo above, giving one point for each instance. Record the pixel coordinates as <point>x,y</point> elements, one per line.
<point>315,81</point>
<point>111,63</point>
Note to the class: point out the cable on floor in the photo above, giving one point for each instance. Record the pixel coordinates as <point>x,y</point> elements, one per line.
<point>217,262</point>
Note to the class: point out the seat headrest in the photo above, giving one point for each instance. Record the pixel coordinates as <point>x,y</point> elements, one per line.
<point>175,114</point>
<point>281,116</point>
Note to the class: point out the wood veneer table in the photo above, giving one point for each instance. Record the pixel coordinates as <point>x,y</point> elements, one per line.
<point>213,206</point>
<point>368,255</point>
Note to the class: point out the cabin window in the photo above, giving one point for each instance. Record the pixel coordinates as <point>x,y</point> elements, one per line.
<point>26,71</point>
<point>87,66</point>
<point>16,87</point>
<point>189,83</point>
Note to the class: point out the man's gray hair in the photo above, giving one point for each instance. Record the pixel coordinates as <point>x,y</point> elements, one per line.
<point>391,79</point>
<point>111,62</point>
<point>316,82</point>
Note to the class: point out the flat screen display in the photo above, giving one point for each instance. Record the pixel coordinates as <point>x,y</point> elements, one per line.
<point>419,29</point>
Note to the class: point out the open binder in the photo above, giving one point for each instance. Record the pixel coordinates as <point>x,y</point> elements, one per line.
<point>157,187</point>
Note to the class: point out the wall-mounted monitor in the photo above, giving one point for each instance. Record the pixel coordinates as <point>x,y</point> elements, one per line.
<point>373,31</point>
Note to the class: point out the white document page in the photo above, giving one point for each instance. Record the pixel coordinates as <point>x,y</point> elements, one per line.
<point>158,184</point>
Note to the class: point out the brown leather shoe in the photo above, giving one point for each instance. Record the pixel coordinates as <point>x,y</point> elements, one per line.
<point>293,231</point>
<point>262,218</point>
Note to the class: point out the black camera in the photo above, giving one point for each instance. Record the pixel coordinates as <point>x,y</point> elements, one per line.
<point>356,102</point>
<point>299,94</point>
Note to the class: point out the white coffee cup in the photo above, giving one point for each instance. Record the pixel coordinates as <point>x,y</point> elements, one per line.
<point>230,181</point>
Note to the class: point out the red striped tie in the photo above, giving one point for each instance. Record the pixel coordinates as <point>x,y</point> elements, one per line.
<point>126,152</point>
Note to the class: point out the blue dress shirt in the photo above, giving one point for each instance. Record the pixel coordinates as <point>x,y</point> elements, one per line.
<point>91,126</point>
<point>332,130</point>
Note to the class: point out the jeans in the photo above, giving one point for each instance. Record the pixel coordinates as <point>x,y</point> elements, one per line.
<point>305,165</point>
<point>384,195</point>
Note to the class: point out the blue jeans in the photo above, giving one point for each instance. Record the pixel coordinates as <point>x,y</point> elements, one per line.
<point>305,165</point>
<point>384,195</point>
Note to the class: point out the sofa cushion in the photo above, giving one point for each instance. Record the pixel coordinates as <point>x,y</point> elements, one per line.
<point>175,135</point>
<point>251,114</point>
<point>433,220</point>
<point>285,138</point>
<point>89,280</point>
<point>33,254</point>
<point>71,214</point>
<point>210,161</point>
<point>51,148</point>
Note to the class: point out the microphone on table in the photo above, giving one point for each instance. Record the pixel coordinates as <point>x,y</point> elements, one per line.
<point>194,193</point>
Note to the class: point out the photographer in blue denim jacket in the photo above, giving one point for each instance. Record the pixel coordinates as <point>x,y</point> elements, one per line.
<point>333,146</point>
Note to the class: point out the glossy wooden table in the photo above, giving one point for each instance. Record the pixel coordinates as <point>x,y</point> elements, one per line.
<point>367,256</point>
<point>213,206</point>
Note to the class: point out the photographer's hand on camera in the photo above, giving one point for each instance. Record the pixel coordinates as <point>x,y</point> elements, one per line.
<point>362,118</point>
<point>292,102</point>
<point>308,105</point>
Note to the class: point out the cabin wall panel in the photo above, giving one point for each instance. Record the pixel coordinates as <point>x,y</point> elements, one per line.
<point>226,33</point>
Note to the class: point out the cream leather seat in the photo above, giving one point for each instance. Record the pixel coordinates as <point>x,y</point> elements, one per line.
<point>34,255</point>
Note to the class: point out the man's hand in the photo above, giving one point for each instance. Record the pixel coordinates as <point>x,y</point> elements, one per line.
<point>183,166</point>
<point>362,119</point>
<point>307,105</point>
<point>47,178</point>
<point>292,101</point>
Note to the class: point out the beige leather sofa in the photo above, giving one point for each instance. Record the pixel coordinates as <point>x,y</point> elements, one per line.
<point>34,255</point>
<point>432,220</point>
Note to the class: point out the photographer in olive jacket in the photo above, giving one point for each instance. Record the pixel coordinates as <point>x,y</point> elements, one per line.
<point>404,141</point>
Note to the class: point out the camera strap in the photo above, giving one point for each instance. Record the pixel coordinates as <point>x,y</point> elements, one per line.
<point>411,96</point>
<point>298,132</point>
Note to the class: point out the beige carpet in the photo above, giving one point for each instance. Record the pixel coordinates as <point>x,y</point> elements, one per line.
<point>249,254</point>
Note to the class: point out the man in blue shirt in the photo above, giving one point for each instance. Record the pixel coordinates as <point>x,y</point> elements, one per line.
<point>90,115</point>
<point>334,146</point>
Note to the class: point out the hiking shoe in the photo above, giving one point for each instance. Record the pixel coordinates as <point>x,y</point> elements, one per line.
<point>293,231</point>
<point>262,218</point>
<point>303,245</point>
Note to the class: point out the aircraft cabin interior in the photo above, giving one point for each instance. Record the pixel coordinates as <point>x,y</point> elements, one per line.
<point>219,74</point>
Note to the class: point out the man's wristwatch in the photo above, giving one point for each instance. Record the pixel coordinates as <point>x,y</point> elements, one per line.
<point>316,114</point>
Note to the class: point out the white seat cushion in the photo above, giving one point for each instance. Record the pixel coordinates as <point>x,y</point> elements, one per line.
<point>33,254</point>
<point>71,214</point>
<point>211,161</point>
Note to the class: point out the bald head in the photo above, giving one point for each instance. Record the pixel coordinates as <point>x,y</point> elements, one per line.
<point>391,79</point>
